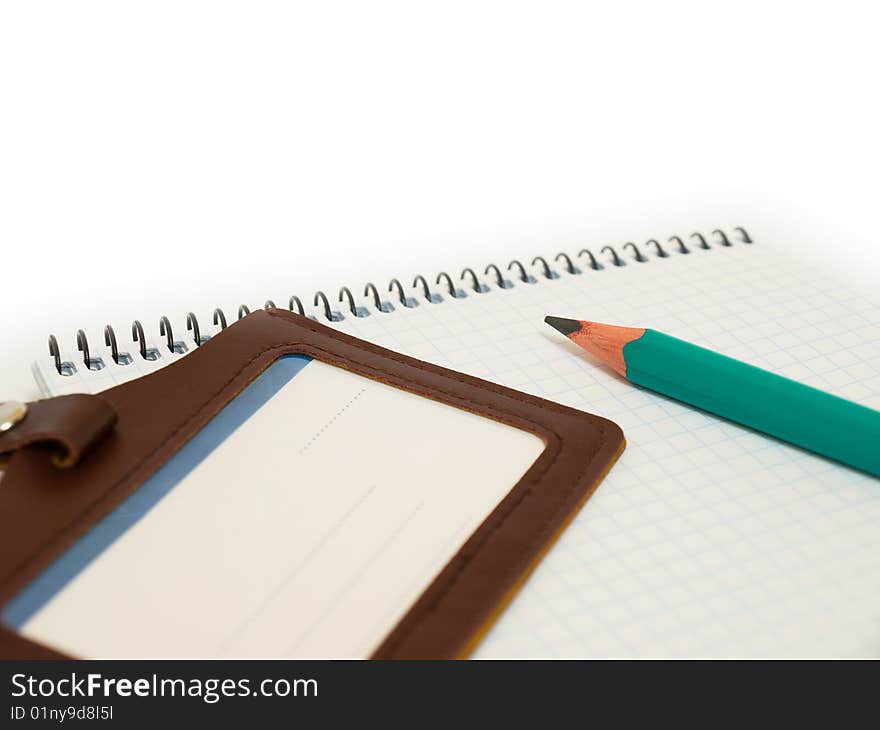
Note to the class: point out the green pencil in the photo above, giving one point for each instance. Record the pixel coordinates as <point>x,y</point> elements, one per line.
<point>804,416</point>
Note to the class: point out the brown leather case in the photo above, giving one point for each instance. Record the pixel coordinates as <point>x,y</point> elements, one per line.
<point>44,508</point>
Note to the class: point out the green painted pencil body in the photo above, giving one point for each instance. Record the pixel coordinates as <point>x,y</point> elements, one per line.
<point>791,411</point>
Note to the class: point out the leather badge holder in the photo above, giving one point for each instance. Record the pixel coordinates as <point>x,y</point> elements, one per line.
<point>44,507</point>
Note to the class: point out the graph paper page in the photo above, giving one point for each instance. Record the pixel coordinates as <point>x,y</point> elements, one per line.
<point>706,539</point>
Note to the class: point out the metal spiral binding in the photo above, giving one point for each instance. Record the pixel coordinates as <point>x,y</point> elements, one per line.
<point>420,293</point>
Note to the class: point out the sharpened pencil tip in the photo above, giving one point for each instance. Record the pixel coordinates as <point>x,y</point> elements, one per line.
<point>565,326</point>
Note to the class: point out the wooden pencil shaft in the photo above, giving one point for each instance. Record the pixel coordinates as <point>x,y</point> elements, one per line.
<point>786,409</point>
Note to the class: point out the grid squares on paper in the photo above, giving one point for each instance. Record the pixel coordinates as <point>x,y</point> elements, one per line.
<point>706,539</point>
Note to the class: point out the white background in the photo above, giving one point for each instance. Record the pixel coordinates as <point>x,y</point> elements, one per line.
<point>173,155</point>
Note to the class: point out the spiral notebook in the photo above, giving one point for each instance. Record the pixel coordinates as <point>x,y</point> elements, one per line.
<point>707,538</point>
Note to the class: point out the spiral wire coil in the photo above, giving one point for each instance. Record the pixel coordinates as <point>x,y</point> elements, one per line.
<point>420,293</point>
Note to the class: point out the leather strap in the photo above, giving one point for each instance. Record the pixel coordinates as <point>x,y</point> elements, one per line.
<point>70,424</point>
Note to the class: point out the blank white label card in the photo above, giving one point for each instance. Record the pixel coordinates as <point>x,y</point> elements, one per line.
<point>303,521</point>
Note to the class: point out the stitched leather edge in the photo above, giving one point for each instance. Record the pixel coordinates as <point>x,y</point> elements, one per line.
<point>220,396</point>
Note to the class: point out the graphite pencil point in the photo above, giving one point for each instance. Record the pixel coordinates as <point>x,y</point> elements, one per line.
<point>565,326</point>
